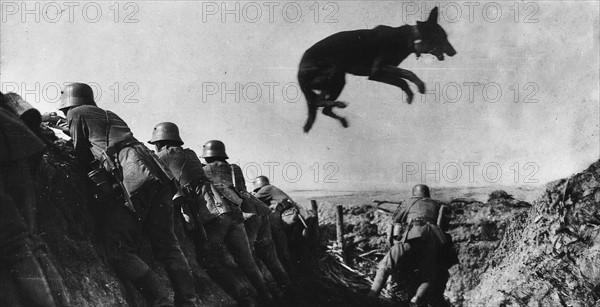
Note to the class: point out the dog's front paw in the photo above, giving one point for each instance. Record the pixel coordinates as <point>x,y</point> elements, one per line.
<point>421,87</point>
<point>409,98</point>
<point>342,104</point>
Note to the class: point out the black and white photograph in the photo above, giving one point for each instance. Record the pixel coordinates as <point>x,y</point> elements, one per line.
<point>301,153</point>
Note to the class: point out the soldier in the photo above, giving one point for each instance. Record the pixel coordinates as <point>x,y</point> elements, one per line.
<point>285,216</point>
<point>104,143</point>
<point>228,178</point>
<point>204,208</point>
<point>422,247</point>
<point>23,258</point>
<point>28,114</point>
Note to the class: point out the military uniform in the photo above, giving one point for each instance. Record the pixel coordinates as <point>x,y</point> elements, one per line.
<point>222,222</point>
<point>272,196</point>
<point>23,256</point>
<point>421,246</point>
<point>95,131</point>
<point>228,178</point>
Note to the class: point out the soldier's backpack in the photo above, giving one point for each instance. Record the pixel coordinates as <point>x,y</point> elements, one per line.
<point>289,213</point>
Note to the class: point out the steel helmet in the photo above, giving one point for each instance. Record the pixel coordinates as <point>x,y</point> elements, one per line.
<point>214,149</point>
<point>166,131</point>
<point>76,94</point>
<point>260,182</point>
<point>16,103</point>
<point>421,190</point>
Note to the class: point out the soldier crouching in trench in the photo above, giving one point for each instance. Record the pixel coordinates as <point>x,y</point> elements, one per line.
<point>289,222</point>
<point>23,260</point>
<point>230,180</point>
<point>213,222</point>
<point>104,144</point>
<point>424,247</point>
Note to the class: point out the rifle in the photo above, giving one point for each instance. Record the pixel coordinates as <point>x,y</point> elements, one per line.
<point>288,204</point>
<point>379,202</point>
<point>114,168</point>
<point>302,220</point>
<point>394,229</point>
<point>189,207</point>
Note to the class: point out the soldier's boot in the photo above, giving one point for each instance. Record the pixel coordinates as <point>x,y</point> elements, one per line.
<point>55,281</point>
<point>152,290</point>
<point>379,281</point>
<point>31,282</point>
<point>420,296</point>
<point>184,288</point>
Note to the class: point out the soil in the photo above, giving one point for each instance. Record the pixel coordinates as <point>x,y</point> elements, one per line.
<point>513,251</point>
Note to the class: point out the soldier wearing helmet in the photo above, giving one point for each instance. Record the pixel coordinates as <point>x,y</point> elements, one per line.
<point>23,259</point>
<point>105,145</point>
<point>76,94</point>
<point>422,248</point>
<point>228,178</point>
<point>278,202</point>
<point>288,220</point>
<point>203,208</point>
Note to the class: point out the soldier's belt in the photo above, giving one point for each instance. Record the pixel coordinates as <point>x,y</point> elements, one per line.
<point>116,148</point>
<point>421,220</point>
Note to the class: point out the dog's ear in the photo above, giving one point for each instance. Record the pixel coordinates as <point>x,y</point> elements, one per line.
<point>433,16</point>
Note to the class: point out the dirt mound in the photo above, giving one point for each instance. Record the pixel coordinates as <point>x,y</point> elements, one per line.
<point>511,253</point>
<point>550,254</point>
<point>476,227</point>
<point>69,221</point>
<point>501,197</point>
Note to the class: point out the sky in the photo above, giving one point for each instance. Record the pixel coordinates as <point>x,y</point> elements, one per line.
<point>517,105</point>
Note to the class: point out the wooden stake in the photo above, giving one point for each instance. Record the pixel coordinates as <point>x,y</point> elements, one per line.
<point>317,232</point>
<point>339,226</point>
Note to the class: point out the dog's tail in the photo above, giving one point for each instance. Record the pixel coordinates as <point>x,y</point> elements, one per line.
<point>311,99</point>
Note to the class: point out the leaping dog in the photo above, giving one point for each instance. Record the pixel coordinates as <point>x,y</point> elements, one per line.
<point>375,53</point>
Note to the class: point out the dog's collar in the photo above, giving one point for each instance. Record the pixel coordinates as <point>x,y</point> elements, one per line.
<point>416,39</point>
<point>416,34</point>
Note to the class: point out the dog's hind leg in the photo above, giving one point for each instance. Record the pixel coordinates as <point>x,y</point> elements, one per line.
<point>321,88</point>
<point>332,87</point>
<point>329,112</point>
<point>312,115</point>
<point>332,104</point>
<point>311,99</point>
<point>331,101</point>
<point>308,81</point>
